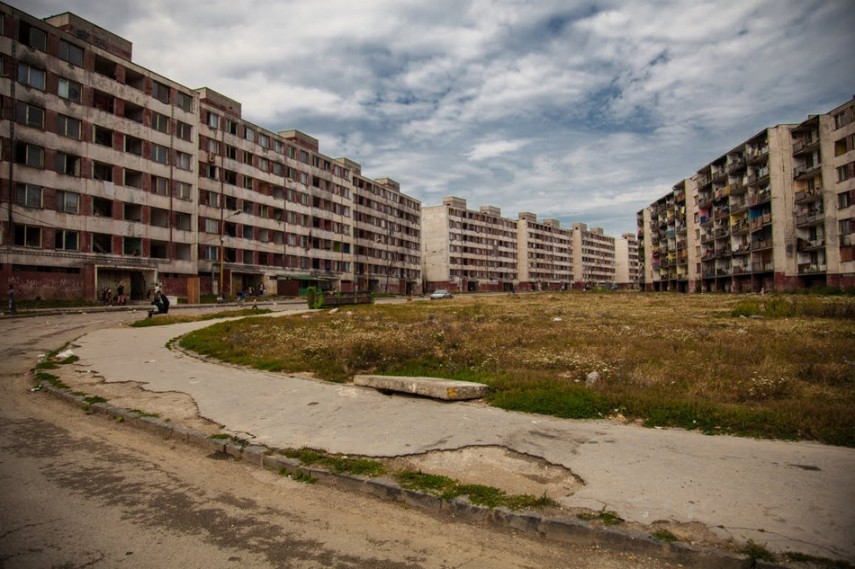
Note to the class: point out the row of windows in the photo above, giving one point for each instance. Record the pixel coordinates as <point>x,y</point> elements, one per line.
<point>67,164</point>
<point>73,91</point>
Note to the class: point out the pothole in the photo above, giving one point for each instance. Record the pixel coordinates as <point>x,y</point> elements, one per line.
<point>511,472</point>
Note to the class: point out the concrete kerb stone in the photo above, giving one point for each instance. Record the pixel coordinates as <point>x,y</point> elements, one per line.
<point>562,529</point>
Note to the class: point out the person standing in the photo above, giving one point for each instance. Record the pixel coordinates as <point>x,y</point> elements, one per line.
<point>120,293</point>
<point>13,307</point>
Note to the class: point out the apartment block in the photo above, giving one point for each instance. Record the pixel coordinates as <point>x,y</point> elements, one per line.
<point>114,173</point>
<point>626,261</point>
<point>545,254</point>
<point>468,250</point>
<point>478,250</point>
<point>594,257</point>
<point>773,213</point>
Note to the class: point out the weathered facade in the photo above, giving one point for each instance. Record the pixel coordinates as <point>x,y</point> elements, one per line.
<point>112,173</point>
<point>774,213</point>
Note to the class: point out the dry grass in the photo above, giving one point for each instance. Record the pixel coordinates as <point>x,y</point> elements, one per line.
<point>695,361</point>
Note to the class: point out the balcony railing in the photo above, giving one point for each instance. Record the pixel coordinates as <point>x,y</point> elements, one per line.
<point>807,268</point>
<point>762,267</point>
<point>809,244</point>
<point>736,166</point>
<point>761,244</point>
<point>806,219</point>
<point>808,195</point>
<point>805,170</point>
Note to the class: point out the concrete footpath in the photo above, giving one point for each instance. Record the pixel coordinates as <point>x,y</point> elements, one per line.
<point>788,496</point>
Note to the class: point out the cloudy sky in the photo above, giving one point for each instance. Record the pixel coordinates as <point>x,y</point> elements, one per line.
<point>580,111</point>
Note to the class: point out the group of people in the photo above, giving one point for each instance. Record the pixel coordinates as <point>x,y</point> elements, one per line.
<point>108,299</point>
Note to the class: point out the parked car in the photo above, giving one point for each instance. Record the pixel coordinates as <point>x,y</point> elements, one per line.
<point>440,294</point>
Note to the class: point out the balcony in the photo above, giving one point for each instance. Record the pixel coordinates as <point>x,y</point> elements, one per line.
<point>718,175</point>
<point>809,219</point>
<point>742,249</point>
<point>761,221</point>
<point>810,268</point>
<point>721,212</point>
<point>806,171</point>
<point>759,178</point>
<point>809,244</point>
<point>736,166</point>
<point>737,188</point>
<point>738,205</point>
<point>757,154</point>
<point>805,145</point>
<point>762,267</point>
<point>739,269</point>
<point>808,195</point>
<point>705,199</point>
<point>760,197</point>
<point>761,244</point>
<point>720,232</point>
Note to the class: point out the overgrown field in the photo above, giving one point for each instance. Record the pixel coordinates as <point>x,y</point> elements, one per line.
<point>771,366</point>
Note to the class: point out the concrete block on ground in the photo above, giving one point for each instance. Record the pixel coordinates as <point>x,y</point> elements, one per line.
<point>254,454</point>
<point>568,530</point>
<point>433,387</point>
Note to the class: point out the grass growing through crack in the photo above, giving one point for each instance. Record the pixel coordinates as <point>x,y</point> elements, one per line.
<point>606,517</point>
<point>778,366</point>
<point>337,464</point>
<point>448,488</point>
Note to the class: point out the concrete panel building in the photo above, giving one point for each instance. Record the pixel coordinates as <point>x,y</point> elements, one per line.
<point>773,213</point>
<point>116,174</point>
<point>545,254</point>
<point>468,250</point>
<point>626,261</point>
<point>594,257</point>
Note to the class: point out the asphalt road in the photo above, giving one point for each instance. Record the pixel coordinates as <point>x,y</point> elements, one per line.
<point>78,490</point>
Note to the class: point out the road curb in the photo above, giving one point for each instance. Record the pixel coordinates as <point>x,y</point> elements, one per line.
<point>564,529</point>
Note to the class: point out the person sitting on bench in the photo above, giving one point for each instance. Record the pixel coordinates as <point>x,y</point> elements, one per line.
<point>160,304</point>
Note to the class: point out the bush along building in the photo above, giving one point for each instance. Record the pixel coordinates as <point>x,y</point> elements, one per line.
<point>112,173</point>
<point>773,213</point>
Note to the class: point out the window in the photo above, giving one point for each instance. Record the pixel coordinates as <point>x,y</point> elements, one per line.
<point>264,140</point>
<point>102,243</point>
<point>104,66</point>
<point>845,172</point>
<point>160,92</point>
<point>248,232</point>
<point>184,101</point>
<point>71,53</point>
<point>102,171</point>
<point>28,195</point>
<point>160,122</point>
<point>133,212</point>
<point>182,160</point>
<point>67,126</point>
<point>213,146</point>
<point>28,236</point>
<point>159,217</point>
<point>31,76</point>
<point>182,221</point>
<point>68,202</point>
<point>183,131</point>
<point>213,120</point>
<point>30,115</point>
<point>249,134</point>
<point>29,155</point>
<point>102,136</point>
<point>66,240</point>
<point>210,253</point>
<point>843,200</point>
<point>69,90</point>
<point>231,127</point>
<point>159,153</point>
<point>212,226</point>
<point>231,152</point>
<point>67,164</point>
<point>133,145</point>
<point>159,185</point>
<point>182,190</point>
<point>32,37</point>
<point>133,178</point>
<point>263,164</point>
